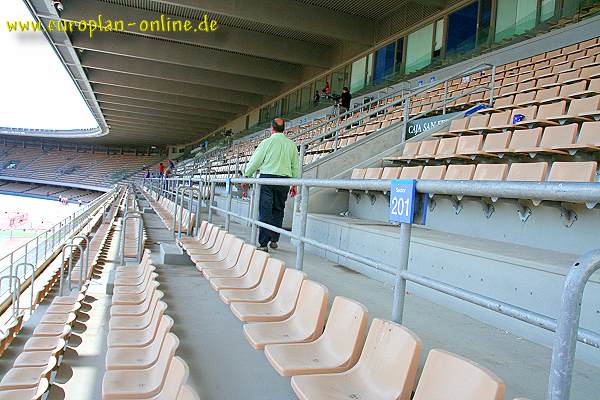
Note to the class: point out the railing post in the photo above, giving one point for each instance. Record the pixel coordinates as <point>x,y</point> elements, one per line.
<point>565,339</point>
<point>175,211</point>
<point>229,199</point>
<point>405,119</point>
<point>492,85</point>
<point>400,283</point>
<point>211,199</point>
<point>255,213</point>
<point>302,227</point>
<point>445,97</point>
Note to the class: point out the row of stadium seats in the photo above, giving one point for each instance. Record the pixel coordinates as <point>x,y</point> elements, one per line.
<point>558,76</point>
<point>167,211</point>
<point>141,361</point>
<point>31,373</point>
<point>50,191</point>
<point>327,357</point>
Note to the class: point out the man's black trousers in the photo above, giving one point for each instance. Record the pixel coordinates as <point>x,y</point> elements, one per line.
<point>271,209</point>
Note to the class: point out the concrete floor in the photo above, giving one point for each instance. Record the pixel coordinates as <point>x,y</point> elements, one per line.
<point>224,366</point>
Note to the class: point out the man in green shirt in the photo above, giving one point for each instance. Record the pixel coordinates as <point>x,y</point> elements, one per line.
<point>275,157</point>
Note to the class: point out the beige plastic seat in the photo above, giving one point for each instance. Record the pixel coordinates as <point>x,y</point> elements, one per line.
<point>434,172</point>
<point>304,325</point>
<point>230,260</point>
<point>490,172</point>
<point>336,350</point>
<point>137,357</point>
<point>583,171</point>
<point>479,122</point>
<point>554,139</point>
<point>525,139</point>
<point>410,150</point>
<point>448,376</point>
<point>137,322</point>
<point>201,231</point>
<point>494,144</point>
<point>26,377</point>
<point>391,173</point>
<point>202,240</point>
<point>386,369</point>
<point>139,338</point>
<point>55,308</point>
<point>174,387</point>
<point>233,246</point>
<point>278,309</point>
<point>528,172</point>
<point>34,393</point>
<point>457,172</point>
<point>134,273</point>
<point>580,110</point>
<point>210,243</point>
<point>60,330</point>
<point>58,318</point>
<point>266,289</point>
<point>227,269</point>
<point>135,298</point>
<point>222,239</point>
<point>358,173</point>
<point>141,288</point>
<point>459,125</point>
<point>588,140</point>
<point>133,281</point>
<point>446,148</point>
<point>137,309</point>
<point>39,358</point>
<point>249,280</point>
<point>428,149</point>
<point>373,173</point>
<point>46,343</point>
<point>140,383</point>
<point>411,172</point>
<point>499,121</point>
<point>186,393</point>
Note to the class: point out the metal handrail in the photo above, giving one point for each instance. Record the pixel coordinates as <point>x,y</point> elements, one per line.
<point>16,272</point>
<point>86,251</point>
<point>15,292</point>
<point>127,216</point>
<point>70,267</point>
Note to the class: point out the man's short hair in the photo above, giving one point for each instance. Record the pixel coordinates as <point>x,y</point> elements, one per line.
<point>278,125</point>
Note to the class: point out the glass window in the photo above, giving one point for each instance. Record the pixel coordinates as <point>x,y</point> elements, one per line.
<point>384,62</point>
<point>514,17</point>
<point>418,49</point>
<point>357,77</point>
<point>439,38</point>
<point>526,16</point>
<point>399,55</point>
<point>485,17</point>
<point>547,12</point>
<point>369,69</point>
<point>462,29</point>
<point>338,81</point>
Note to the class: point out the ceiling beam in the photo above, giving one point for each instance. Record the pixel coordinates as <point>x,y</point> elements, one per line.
<point>153,115</point>
<point>121,115</point>
<point>136,66</point>
<point>113,123</point>
<point>151,105</point>
<point>289,14</point>
<point>224,38</point>
<point>182,54</point>
<point>221,96</point>
<point>230,110</point>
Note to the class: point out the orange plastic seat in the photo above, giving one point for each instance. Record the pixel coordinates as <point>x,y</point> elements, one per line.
<point>528,172</point>
<point>410,150</point>
<point>490,172</point>
<point>448,376</point>
<point>583,171</point>
<point>229,269</point>
<point>358,173</point>
<point>373,173</point>
<point>434,172</point>
<point>588,140</point>
<point>249,280</point>
<point>428,149</point>
<point>139,338</point>
<point>266,289</point>
<point>411,172</point>
<point>336,350</point>
<point>304,325</point>
<point>456,172</point>
<point>391,173</point>
<point>386,369</point>
<point>278,309</point>
<point>140,383</point>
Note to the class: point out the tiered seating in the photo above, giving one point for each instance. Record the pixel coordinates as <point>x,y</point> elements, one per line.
<point>31,373</point>
<point>327,356</point>
<point>141,361</point>
<point>132,229</point>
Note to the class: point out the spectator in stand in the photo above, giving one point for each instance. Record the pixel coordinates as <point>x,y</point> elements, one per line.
<point>275,157</point>
<point>345,100</point>
<point>316,98</point>
<point>327,89</point>
<point>79,203</point>
<point>172,166</point>
<point>161,169</point>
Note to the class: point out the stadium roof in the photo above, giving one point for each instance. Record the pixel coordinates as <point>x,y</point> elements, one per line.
<point>174,87</point>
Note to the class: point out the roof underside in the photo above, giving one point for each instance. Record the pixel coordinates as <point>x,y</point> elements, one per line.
<point>155,88</point>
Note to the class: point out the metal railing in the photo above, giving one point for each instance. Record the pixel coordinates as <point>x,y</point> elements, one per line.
<point>566,326</point>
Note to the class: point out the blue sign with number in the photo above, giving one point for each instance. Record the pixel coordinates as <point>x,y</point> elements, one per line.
<point>402,201</point>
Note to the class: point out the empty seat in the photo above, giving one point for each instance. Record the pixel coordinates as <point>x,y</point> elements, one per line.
<point>278,309</point>
<point>223,239</point>
<point>139,338</point>
<point>434,172</point>
<point>585,109</point>
<point>448,376</point>
<point>34,393</point>
<point>142,383</point>
<point>428,149</point>
<point>135,298</point>
<point>266,289</point>
<point>231,248</point>
<point>446,148</point>
<point>494,144</point>
<point>391,173</point>
<point>250,279</point>
<point>373,173</point>
<point>459,172</point>
<point>528,172</point>
<point>525,139</point>
<point>137,309</point>
<point>410,150</point>
<point>336,350</point>
<point>589,138</point>
<point>490,172</point>
<point>137,322</point>
<point>584,171</point>
<point>228,269</point>
<point>554,139</point>
<point>411,172</point>
<point>386,369</point>
<point>305,324</point>
<point>358,173</point>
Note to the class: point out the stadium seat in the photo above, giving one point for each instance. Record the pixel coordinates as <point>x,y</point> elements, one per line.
<point>434,172</point>
<point>490,172</point>
<point>588,139</point>
<point>336,350</point>
<point>553,139</point>
<point>278,309</point>
<point>223,239</point>
<point>135,298</point>
<point>138,322</point>
<point>411,172</point>
<point>448,376</point>
<point>391,173</point>
<point>140,338</point>
<point>584,171</point>
<point>137,309</point>
<point>174,387</point>
<point>358,173</point>
<point>528,172</point>
<point>138,289</point>
<point>226,269</point>
<point>305,324</point>
<point>373,173</point>
<point>252,277</point>
<point>142,383</point>
<point>34,393</point>
<point>26,377</point>
<point>580,110</point>
<point>459,172</point>
<point>386,369</point>
<point>266,289</point>
<point>231,244</point>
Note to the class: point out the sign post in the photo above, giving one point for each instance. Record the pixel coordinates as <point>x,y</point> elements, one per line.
<point>406,207</point>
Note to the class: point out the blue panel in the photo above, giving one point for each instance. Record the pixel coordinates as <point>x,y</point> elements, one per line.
<point>384,62</point>
<point>462,29</point>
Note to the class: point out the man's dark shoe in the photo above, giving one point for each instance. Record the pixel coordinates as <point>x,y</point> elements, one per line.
<point>273,245</point>
<point>263,248</point>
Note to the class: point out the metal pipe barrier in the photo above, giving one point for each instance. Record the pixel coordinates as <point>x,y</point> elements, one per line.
<point>86,251</point>
<point>131,215</point>
<point>70,267</point>
<point>15,292</point>
<point>25,265</point>
<point>566,327</point>
<point>184,190</point>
